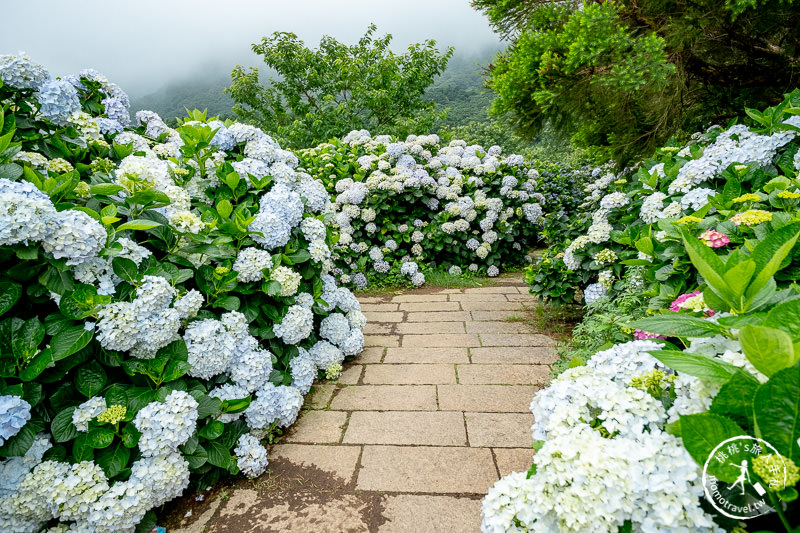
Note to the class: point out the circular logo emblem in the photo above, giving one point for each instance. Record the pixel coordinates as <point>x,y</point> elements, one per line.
<point>730,483</point>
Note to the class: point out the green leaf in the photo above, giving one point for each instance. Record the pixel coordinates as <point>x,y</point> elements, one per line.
<point>105,189</point>
<point>25,342</point>
<point>175,369</point>
<point>738,277</point>
<point>735,398</point>
<point>90,379</point>
<point>777,412</point>
<point>785,316</point>
<point>197,458</point>
<point>10,293</point>
<point>211,430</point>
<point>230,303</point>
<point>62,428</point>
<point>768,349</point>
<point>113,459</point>
<point>70,341</point>
<point>37,365</point>
<point>99,438</point>
<point>130,436</point>
<point>218,454</point>
<point>678,325</point>
<point>82,302</point>
<point>140,224</point>
<point>645,245</point>
<point>126,269</point>
<point>272,288</point>
<point>707,264</point>
<point>20,443</point>
<point>770,253</point>
<point>224,209</point>
<point>701,433</point>
<point>697,365</point>
<point>207,406</point>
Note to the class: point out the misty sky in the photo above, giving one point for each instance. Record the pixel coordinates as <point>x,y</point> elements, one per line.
<point>145,44</point>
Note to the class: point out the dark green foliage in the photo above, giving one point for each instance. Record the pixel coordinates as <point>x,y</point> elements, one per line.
<point>325,93</point>
<point>629,75</point>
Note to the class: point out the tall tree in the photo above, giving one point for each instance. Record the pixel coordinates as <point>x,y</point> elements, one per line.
<point>629,74</point>
<point>325,93</point>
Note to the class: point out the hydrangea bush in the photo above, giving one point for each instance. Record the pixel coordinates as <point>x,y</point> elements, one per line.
<point>622,440</point>
<point>402,206</point>
<point>728,187</point>
<point>165,302</point>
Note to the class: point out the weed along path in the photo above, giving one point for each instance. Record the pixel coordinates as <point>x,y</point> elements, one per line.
<point>413,434</point>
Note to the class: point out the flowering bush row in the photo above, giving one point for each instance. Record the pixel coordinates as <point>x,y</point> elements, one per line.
<point>404,205</point>
<point>638,438</point>
<point>729,186</point>
<point>164,302</point>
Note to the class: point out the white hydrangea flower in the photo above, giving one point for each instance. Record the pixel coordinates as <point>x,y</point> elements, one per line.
<point>166,425</point>
<point>326,354</point>
<point>296,325</point>
<point>251,456</point>
<point>280,404</point>
<point>288,278</point>
<point>86,411</point>
<point>251,263</point>
<point>335,328</point>
<point>210,347</point>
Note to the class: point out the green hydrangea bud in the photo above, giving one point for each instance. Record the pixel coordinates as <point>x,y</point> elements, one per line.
<point>777,471</point>
<point>333,372</point>
<point>112,415</point>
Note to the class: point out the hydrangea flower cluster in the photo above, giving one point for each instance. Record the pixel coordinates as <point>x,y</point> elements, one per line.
<point>605,458</point>
<point>468,205</point>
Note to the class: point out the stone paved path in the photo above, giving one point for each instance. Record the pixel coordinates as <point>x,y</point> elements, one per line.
<point>416,430</point>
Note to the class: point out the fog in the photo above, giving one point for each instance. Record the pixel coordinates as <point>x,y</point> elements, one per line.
<point>144,45</point>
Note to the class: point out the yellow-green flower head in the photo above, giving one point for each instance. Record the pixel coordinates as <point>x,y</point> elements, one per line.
<point>333,371</point>
<point>621,181</point>
<point>788,195</point>
<point>740,168</point>
<point>751,217</point>
<point>604,257</point>
<point>519,211</point>
<point>221,271</point>
<point>670,149</point>
<point>690,219</point>
<point>180,171</point>
<point>654,381</point>
<point>749,197</point>
<point>112,415</point>
<point>777,471</point>
<point>82,190</point>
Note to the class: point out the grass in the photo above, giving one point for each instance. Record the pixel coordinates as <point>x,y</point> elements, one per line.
<point>435,280</point>
<point>556,322</point>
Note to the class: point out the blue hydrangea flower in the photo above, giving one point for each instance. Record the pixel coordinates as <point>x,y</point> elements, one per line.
<point>57,99</point>
<point>20,72</point>
<point>14,413</point>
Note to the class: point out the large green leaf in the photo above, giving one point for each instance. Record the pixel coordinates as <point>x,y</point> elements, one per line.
<point>218,454</point>
<point>10,293</point>
<point>62,428</point>
<point>90,379</point>
<point>69,341</point>
<point>768,349</point>
<point>770,253</point>
<point>26,340</point>
<point>37,365</point>
<point>708,264</point>
<point>701,433</point>
<point>785,316</point>
<point>99,437</point>
<point>777,411</point>
<point>113,459</point>
<point>738,278</point>
<point>735,398</point>
<point>678,325</point>
<point>697,365</point>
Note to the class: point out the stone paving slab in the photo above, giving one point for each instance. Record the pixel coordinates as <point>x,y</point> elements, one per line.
<point>338,460</point>
<point>386,398</point>
<point>426,469</point>
<point>487,398</point>
<point>513,339</point>
<point>321,396</point>
<point>478,298</point>
<point>438,316</point>
<point>428,328</point>
<point>381,340</point>
<point>410,374</point>
<point>496,315</point>
<point>431,306</point>
<point>370,355</point>
<point>505,354</point>
<point>455,340</point>
<point>402,427</point>
<point>367,308</point>
<point>427,355</point>
<point>481,305</point>
<point>351,375</point>
<point>374,316</point>
<point>513,459</point>
<point>503,374</point>
<point>411,513</point>
<point>317,427</point>
<point>379,328</point>
<point>420,298</point>
<point>499,289</point>
<point>503,430</point>
<point>497,327</point>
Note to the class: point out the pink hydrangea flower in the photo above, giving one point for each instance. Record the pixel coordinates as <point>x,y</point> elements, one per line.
<point>714,239</point>
<point>640,335</point>
<point>691,301</point>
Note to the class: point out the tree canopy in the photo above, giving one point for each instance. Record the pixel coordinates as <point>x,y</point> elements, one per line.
<point>324,93</point>
<point>632,73</point>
